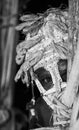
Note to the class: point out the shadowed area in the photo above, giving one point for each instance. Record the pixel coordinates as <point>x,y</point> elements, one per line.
<point>44,77</point>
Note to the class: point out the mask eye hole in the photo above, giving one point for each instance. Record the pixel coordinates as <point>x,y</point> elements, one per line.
<point>44,78</point>
<point>62,67</point>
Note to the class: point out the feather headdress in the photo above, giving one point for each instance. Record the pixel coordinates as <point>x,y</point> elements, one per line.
<point>46,39</point>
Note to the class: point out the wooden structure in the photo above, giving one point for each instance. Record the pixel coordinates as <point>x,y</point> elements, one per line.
<point>8,44</point>
<point>7,52</point>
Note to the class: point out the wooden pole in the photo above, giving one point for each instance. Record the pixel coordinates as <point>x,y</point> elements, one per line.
<point>73,80</point>
<point>7,47</point>
<point>74,124</point>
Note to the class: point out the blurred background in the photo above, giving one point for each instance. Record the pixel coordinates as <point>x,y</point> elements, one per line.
<point>16,95</point>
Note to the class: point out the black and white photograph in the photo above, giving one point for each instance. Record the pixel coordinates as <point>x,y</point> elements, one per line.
<point>39,64</point>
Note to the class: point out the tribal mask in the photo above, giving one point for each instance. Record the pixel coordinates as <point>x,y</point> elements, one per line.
<point>45,44</point>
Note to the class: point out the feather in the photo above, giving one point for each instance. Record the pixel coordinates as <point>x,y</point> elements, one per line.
<point>27,44</point>
<point>30,17</point>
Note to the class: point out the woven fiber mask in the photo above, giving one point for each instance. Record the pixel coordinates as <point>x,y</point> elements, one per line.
<point>45,43</point>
